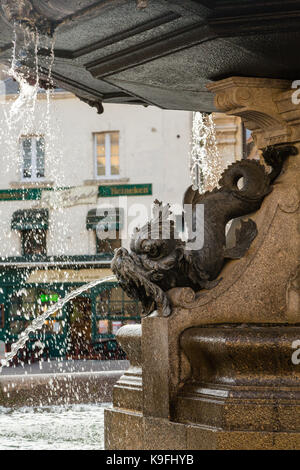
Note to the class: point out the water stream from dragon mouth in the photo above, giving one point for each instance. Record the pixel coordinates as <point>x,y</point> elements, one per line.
<point>39,321</point>
<point>205,161</point>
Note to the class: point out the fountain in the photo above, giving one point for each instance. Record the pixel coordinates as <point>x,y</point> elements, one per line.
<point>212,364</point>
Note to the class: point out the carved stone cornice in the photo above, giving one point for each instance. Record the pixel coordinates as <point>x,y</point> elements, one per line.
<point>265,105</point>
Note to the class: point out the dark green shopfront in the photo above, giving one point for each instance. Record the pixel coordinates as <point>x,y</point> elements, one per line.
<point>31,283</point>
<point>84,328</point>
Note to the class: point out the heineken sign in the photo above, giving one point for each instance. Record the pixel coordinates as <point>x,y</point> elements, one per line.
<point>118,190</point>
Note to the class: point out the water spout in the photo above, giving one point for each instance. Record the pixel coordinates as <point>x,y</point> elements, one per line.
<point>38,322</point>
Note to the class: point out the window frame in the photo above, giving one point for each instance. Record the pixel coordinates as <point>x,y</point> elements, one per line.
<point>108,174</point>
<point>33,138</point>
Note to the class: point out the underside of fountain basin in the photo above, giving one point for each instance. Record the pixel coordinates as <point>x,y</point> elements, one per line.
<point>159,53</point>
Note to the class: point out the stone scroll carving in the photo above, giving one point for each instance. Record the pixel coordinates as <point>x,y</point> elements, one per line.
<point>159,260</point>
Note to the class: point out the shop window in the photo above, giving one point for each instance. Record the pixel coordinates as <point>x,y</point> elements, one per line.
<point>106,153</point>
<point>114,309</point>
<point>29,303</point>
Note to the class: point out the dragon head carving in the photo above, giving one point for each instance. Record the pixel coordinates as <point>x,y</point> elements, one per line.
<point>152,266</point>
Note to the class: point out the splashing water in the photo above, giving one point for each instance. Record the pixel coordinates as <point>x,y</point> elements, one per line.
<point>206,166</point>
<point>62,427</point>
<point>24,116</point>
<point>38,322</point>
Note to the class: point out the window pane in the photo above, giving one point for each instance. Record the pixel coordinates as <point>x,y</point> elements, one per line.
<point>100,166</point>
<point>102,326</point>
<point>100,153</point>
<point>100,138</point>
<point>33,157</point>
<point>115,308</point>
<point>101,149</point>
<point>27,158</point>
<point>116,325</point>
<point>114,153</point>
<point>40,157</point>
<point>116,294</point>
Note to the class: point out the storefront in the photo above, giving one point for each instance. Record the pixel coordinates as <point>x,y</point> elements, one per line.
<point>84,328</point>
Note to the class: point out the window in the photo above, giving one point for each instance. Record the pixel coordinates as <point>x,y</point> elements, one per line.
<point>108,245</point>
<point>33,157</point>
<point>106,148</point>
<point>114,309</point>
<point>34,242</point>
<point>107,223</point>
<point>26,305</point>
<point>33,225</point>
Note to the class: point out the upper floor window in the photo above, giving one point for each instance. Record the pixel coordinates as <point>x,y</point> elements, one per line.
<point>106,149</point>
<point>33,157</point>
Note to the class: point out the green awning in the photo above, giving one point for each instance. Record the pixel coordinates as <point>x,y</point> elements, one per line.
<point>30,219</point>
<point>104,219</point>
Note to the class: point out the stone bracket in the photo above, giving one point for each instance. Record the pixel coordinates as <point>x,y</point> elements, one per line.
<point>265,105</point>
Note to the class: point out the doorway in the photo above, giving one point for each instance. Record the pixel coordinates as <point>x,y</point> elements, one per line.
<point>80,328</point>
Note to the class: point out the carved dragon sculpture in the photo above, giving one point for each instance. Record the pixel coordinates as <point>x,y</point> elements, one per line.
<point>158,263</point>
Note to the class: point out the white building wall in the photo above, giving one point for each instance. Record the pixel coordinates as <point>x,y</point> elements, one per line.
<point>154,148</point>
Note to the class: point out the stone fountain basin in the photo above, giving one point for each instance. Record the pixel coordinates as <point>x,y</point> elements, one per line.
<point>60,383</point>
<point>241,377</point>
<point>243,355</point>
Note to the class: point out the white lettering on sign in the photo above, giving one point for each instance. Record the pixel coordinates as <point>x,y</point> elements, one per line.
<point>69,197</point>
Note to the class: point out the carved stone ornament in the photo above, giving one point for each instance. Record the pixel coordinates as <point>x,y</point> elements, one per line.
<point>159,260</point>
<point>266,106</point>
<point>93,103</point>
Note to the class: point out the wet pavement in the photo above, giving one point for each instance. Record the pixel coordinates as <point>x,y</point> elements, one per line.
<point>66,366</point>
